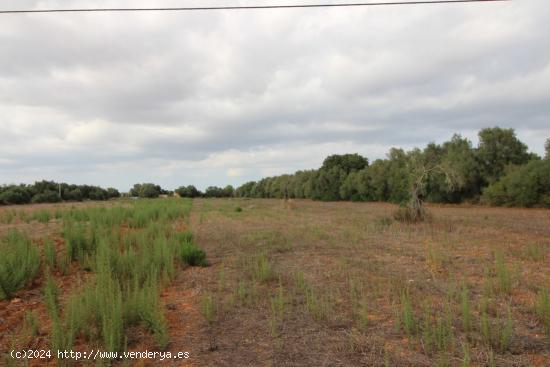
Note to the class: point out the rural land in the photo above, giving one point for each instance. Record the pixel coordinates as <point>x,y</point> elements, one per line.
<point>281,273</point>
<point>275,183</point>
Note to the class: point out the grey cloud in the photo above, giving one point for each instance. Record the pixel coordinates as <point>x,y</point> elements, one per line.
<point>160,96</point>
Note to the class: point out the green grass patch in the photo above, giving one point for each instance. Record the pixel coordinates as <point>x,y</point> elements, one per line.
<point>19,263</point>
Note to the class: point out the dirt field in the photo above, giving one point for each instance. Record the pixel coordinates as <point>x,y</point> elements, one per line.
<point>339,284</point>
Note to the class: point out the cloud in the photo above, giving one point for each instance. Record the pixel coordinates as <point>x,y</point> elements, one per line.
<point>224,97</point>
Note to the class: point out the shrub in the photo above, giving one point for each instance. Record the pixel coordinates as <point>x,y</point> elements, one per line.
<point>261,268</point>
<point>15,195</point>
<point>19,263</point>
<point>47,196</point>
<point>190,254</point>
<point>527,185</point>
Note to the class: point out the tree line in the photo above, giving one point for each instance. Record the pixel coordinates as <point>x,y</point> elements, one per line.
<point>150,190</point>
<point>499,171</point>
<point>53,192</point>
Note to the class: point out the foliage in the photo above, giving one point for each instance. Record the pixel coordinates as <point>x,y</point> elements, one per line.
<point>498,148</point>
<point>48,192</point>
<point>146,190</point>
<point>188,192</point>
<point>19,263</point>
<point>218,192</point>
<point>452,172</point>
<point>527,186</point>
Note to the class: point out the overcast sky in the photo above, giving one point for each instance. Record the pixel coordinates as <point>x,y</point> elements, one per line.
<point>215,98</point>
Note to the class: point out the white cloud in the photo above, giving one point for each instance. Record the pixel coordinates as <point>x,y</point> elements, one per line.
<point>224,97</point>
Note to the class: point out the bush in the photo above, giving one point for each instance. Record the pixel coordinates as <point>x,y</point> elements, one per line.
<point>192,255</point>
<point>526,186</point>
<point>47,196</point>
<point>73,195</point>
<point>19,263</point>
<point>15,195</point>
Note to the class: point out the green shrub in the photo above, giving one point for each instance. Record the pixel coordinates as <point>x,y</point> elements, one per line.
<point>19,263</point>
<point>47,196</point>
<point>192,255</point>
<point>527,185</point>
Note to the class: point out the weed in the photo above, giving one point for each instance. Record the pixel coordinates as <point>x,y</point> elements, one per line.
<point>503,274</point>
<point>261,269</point>
<point>277,310</point>
<point>221,280</point>
<point>359,304</point>
<point>19,263</point>
<point>407,316</point>
<point>542,308</point>
<point>381,223</point>
<point>496,333</point>
<point>533,252</point>
<point>465,309</point>
<point>190,254</point>
<point>30,324</point>
<point>437,332</point>
<point>42,216</point>
<point>466,359</point>
<point>50,255</point>
<point>208,309</point>
<point>8,216</point>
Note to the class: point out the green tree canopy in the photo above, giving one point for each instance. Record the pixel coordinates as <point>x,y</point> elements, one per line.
<point>498,148</point>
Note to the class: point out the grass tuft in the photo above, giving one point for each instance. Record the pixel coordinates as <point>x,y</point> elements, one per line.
<point>19,263</point>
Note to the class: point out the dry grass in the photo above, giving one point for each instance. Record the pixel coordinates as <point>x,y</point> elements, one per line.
<point>343,284</point>
<point>345,267</point>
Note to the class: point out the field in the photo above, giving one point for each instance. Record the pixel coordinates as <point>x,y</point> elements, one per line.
<point>296,283</point>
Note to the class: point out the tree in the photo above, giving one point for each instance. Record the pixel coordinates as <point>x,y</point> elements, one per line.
<point>112,193</point>
<point>498,148</point>
<point>189,191</point>
<point>15,195</point>
<point>146,190</point>
<point>72,195</point>
<point>245,190</point>
<point>547,149</point>
<point>458,154</point>
<point>420,170</point>
<point>346,162</point>
<point>213,192</point>
<point>357,186</point>
<point>46,196</point>
<point>526,186</point>
<point>228,191</point>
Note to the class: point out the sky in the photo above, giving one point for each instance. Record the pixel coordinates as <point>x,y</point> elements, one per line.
<point>216,98</point>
